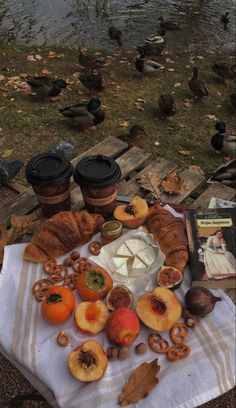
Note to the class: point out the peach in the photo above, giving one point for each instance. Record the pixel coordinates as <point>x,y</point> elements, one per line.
<point>91,317</point>
<point>132,215</point>
<point>122,326</point>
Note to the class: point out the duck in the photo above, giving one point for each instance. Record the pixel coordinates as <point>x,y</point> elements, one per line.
<point>167,105</point>
<point>135,137</point>
<point>225,174</point>
<point>169,25</point>
<point>225,19</point>
<point>232,99</point>
<point>225,71</point>
<point>197,87</point>
<point>115,34</point>
<point>223,143</point>
<point>90,61</point>
<point>46,87</point>
<point>93,82</point>
<point>154,45</point>
<point>86,116</point>
<point>146,66</point>
<point>9,170</point>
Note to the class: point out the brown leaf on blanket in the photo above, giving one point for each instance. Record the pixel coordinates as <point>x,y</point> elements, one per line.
<point>150,181</point>
<point>23,224</point>
<point>172,184</point>
<point>141,381</point>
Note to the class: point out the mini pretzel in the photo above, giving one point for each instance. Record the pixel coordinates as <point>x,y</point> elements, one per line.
<point>178,352</point>
<point>76,266</point>
<point>41,287</point>
<point>60,272</point>
<point>82,260</point>
<point>63,339</point>
<point>70,281</point>
<point>178,333</point>
<point>94,247</point>
<point>49,265</point>
<point>157,343</point>
<point>84,266</point>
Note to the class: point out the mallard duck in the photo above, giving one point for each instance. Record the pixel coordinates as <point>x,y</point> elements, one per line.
<point>167,105</point>
<point>169,25</point>
<point>150,50</point>
<point>223,143</point>
<point>157,39</point>
<point>89,60</point>
<point>46,87</point>
<point>93,82</point>
<point>135,137</point>
<point>225,174</point>
<point>9,169</point>
<point>225,71</point>
<point>197,87</point>
<point>232,99</point>
<point>86,116</point>
<point>146,66</point>
<point>115,34</point>
<point>225,19</point>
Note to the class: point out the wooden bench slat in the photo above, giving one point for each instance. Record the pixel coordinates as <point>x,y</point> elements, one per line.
<point>161,166</point>
<point>26,202</point>
<point>214,190</point>
<point>191,182</point>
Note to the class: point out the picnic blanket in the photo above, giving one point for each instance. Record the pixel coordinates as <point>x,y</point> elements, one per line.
<point>30,343</point>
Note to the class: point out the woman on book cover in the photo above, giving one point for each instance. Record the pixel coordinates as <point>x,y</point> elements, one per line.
<point>219,262</point>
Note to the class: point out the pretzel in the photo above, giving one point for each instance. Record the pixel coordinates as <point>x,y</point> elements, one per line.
<point>76,266</point>
<point>60,272</point>
<point>84,266</point>
<point>49,265</point>
<point>178,333</point>
<point>94,247</point>
<point>157,343</point>
<point>40,288</point>
<point>70,281</point>
<point>63,339</point>
<point>178,351</point>
<point>82,260</point>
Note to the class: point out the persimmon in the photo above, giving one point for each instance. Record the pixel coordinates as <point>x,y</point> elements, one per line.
<point>94,283</point>
<point>58,305</point>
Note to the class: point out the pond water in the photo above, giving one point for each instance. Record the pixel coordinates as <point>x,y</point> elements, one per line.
<point>80,22</point>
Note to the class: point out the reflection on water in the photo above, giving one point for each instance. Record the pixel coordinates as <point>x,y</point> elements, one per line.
<point>75,22</point>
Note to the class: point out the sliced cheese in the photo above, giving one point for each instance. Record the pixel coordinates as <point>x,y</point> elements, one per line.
<point>147,255</point>
<point>123,270</point>
<point>124,251</point>
<point>117,261</point>
<point>138,267</point>
<point>135,245</point>
<point>117,277</point>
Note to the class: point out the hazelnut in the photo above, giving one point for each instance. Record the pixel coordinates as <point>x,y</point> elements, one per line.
<point>112,353</point>
<point>186,313</point>
<point>74,255</point>
<point>68,261</point>
<point>124,353</point>
<point>191,321</point>
<point>141,348</point>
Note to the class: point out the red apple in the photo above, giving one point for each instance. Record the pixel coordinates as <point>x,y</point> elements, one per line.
<point>122,326</point>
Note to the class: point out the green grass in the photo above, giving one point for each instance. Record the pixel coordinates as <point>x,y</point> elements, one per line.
<point>39,125</point>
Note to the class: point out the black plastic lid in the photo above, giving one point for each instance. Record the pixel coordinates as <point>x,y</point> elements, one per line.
<point>47,169</point>
<point>97,172</point>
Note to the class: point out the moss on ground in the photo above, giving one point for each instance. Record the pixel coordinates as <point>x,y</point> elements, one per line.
<point>28,127</point>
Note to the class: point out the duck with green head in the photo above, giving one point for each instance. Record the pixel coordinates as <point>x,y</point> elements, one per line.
<point>46,87</point>
<point>222,142</point>
<point>86,116</point>
<point>147,66</point>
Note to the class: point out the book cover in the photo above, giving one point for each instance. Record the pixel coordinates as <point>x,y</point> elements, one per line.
<point>212,247</point>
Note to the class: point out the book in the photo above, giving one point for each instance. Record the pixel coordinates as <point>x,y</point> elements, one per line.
<point>211,237</point>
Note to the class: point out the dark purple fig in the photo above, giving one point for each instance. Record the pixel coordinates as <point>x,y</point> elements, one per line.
<point>200,301</point>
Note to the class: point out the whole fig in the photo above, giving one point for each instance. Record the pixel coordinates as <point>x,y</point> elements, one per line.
<point>200,301</point>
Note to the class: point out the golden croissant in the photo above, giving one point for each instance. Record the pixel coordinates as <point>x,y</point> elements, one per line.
<point>62,233</point>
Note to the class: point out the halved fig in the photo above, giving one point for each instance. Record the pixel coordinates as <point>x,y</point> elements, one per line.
<point>88,362</point>
<point>169,277</point>
<point>119,296</point>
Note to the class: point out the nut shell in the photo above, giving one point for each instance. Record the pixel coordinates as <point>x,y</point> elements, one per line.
<point>123,353</point>
<point>141,348</point>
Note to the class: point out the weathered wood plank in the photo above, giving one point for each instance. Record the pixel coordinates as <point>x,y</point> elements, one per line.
<point>214,190</point>
<point>161,166</point>
<point>191,182</point>
<point>14,185</point>
<point>26,202</point>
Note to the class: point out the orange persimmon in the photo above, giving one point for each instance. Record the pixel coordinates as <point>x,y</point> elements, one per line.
<point>94,283</point>
<point>58,305</point>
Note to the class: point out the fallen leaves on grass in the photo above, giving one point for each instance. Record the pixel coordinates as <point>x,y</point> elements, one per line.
<point>196,169</point>
<point>18,84</point>
<point>46,72</point>
<point>141,381</point>
<point>52,54</point>
<point>211,117</point>
<point>2,77</point>
<point>172,184</point>
<point>124,123</point>
<point>150,181</point>
<point>7,153</point>
<point>140,104</point>
<point>184,152</point>
<point>177,84</point>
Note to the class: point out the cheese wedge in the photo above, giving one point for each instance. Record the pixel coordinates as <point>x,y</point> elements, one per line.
<point>123,270</point>
<point>117,261</point>
<point>124,251</point>
<point>147,255</point>
<point>135,245</point>
<point>138,267</point>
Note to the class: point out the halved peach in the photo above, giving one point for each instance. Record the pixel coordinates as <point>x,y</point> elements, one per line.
<point>132,215</point>
<point>88,362</point>
<point>91,317</point>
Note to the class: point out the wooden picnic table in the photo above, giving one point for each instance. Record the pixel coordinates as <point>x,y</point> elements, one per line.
<point>133,162</point>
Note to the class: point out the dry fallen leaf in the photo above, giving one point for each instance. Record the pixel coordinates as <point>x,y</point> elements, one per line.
<point>211,117</point>
<point>184,152</point>
<point>6,153</point>
<point>196,169</point>
<point>2,77</point>
<point>124,123</point>
<point>31,58</point>
<point>23,224</point>
<point>150,181</point>
<point>172,183</point>
<point>141,381</point>
<point>46,72</point>
<point>52,54</point>
<point>38,57</point>
<point>170,61</point>
<point>177,84</point>
<point>24,74</point>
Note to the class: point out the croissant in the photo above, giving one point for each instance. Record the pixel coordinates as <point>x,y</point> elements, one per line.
<point>61,233</point>
<point>169,233</point>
